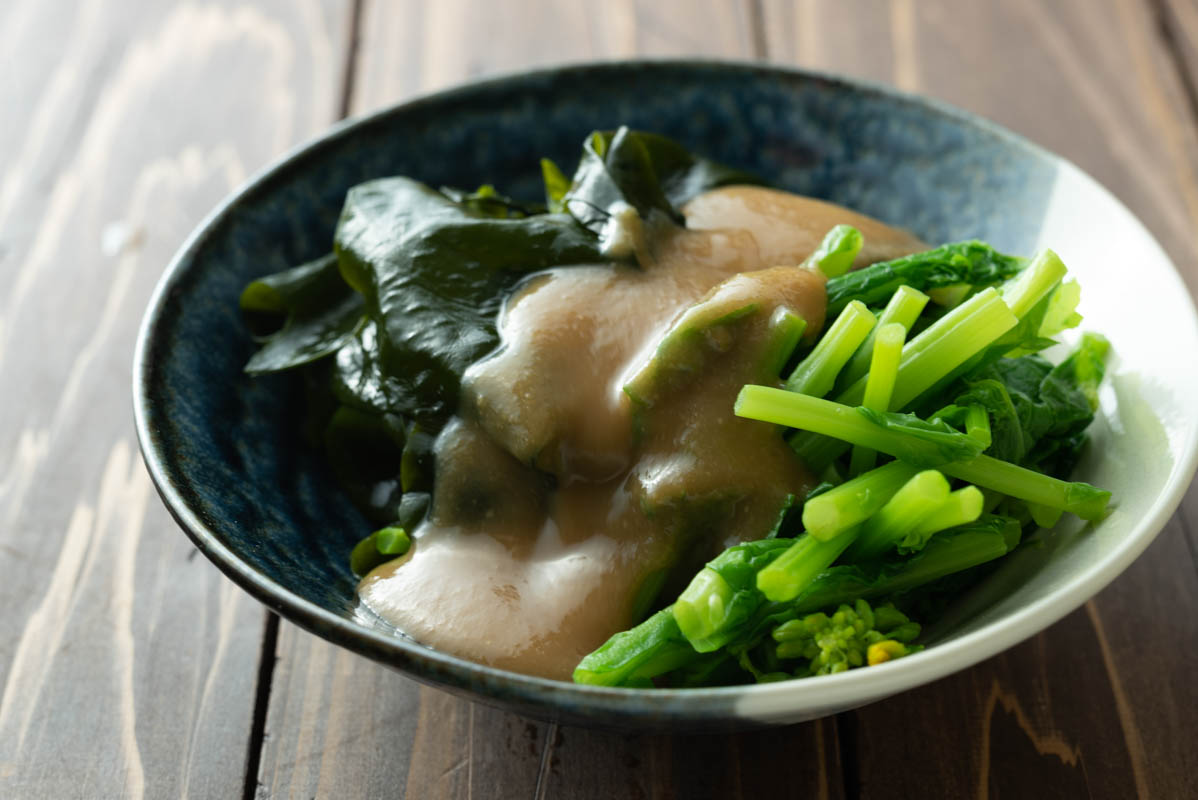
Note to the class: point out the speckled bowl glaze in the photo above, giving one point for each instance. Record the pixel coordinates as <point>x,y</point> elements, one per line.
<point>224,452</point>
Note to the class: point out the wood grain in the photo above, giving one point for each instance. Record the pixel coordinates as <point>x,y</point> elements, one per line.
<point>1178,28</point>
<point>1178,22</point>
<point>127,665</point>
<point>411,46</point>
<point>1099,703</point>
<point>337,720</point>
<point>799,761</point>
<point>1090,80</point>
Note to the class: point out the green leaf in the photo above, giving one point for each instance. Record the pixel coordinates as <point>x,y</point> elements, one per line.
<point>974,263</point>
<point>1061,312</point>
<point>434,274</point>
<point>358,378</point>
<point>485,201</point>
<point>651,173</point>
<point>632,657</point>
<point>1007,440</point>
<point>556,186</point>
<point>319,311</point>
<point>306,339</point>
<point>941,442</point>
<point>1081,373</point>
<point>1039,412</point>
<point>303,287</point>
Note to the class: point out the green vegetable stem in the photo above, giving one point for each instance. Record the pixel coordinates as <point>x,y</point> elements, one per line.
<point>952,551</point>
<point>836,252</point>
<point>792,572</point>
<point>634,656</point>
<point>901,516</point>
<point>724,595</point>
<point>903,309</point>
<point>879,386</point>
<point>816,374</point>
<point>829,514</point>
<point>922,444</point>
<point>907,441</point>
<point>379,548</point>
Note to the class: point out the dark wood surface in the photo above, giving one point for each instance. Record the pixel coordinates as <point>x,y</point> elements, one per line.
<point>130,667</point>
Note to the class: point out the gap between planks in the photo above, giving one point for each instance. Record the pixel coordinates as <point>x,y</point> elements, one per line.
<point>755,15</point>
<point>270,636</point>
<point>349,71</point>
<point>1164,29</point>
<point>266,670</point>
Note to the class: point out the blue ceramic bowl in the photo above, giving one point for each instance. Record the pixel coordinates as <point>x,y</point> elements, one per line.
<point>224,449</point>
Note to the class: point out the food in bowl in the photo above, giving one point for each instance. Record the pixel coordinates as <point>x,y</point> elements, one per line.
<point>566,416</point>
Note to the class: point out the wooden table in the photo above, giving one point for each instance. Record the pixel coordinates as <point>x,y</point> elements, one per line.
<point>132,668</point>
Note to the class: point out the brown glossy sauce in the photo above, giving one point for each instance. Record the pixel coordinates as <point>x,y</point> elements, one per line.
<point>560,505</point>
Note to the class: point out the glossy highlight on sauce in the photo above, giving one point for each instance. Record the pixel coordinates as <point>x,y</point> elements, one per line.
<point>562,507</point>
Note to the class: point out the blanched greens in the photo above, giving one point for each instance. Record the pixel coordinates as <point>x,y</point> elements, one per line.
<point>992,414</point>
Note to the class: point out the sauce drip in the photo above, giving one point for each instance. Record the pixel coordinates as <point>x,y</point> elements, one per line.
<point>561,506</point>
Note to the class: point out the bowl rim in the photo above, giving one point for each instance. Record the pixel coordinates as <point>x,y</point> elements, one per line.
<point>786,700</point>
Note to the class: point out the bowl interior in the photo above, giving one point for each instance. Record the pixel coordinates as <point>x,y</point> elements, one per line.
<point>225,449</point>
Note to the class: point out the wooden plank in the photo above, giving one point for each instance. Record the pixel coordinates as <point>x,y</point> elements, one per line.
<point>327,708</point>
<point>798,761</point>
<point>1179,31</point>
<point>127,665</point>
<point>1098,704</point>
<point>412,46</point>
<point>339,724</point>
<point>337,720</point>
